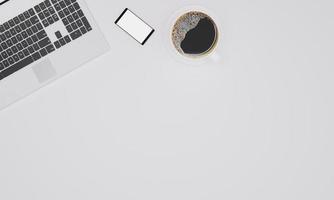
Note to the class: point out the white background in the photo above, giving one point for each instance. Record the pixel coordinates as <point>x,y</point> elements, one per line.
<point>138,124</point>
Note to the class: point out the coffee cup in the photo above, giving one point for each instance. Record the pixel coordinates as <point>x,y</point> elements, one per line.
<point>195,36</point>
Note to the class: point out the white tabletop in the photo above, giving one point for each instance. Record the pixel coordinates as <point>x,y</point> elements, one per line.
<point>137,123</point>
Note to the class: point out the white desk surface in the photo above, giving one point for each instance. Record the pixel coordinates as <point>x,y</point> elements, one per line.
<point>137,124</point>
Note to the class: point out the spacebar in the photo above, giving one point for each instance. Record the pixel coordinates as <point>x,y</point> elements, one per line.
<point>17,66</point>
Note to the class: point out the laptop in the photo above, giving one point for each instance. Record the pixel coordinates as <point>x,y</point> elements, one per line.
<point>41,41</point>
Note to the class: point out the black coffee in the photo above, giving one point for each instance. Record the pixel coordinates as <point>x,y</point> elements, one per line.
<point>194,34</point>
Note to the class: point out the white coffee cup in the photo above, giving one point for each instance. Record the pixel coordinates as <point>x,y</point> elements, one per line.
<point>212,56</point>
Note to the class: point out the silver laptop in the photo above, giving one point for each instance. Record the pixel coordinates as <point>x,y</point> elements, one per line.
<point>41,41</point>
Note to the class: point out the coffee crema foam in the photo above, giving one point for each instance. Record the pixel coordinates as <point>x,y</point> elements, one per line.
<point>194,34</point>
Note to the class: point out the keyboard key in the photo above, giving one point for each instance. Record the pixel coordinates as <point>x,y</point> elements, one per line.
<point>42,6</point>
<point>29,41</point>
<point>46,13</point>
<point>67,39</point>
<point>21,17</point>
<point>42,34</point>
<point>62,4</point>
<point>79,23</point>
<point>24,44</point>
<point>76,6</point>
<point>9,52</point>
<point>36,56</point>
<point>55,17</point>
<point>6,63</point>
<point>4,55</point>
<point>50,48</point>
<point>75,16</point>
<point>19,46</point>
<point>69,28</point>
<point>2,29</point>
<point>43,52</point>
<point>34,20</point>
<point>9,43</point>
<point>45,23</point>
<point>65,21</point>
<point>62,41</point>
<point>12,31</point>
<point>4,46</point>
<point>47,3</point>
<point>39,26</point>
<point>75,35</point>
<point>14,40</point>
<point>37,8</point>
<point>11,23</point>
<point>61,14</point>
<point>58,34</point>
<point>74,26</point>
<point>34,38</point>
<point>29,31</point>
<point>31,49</point>
<point>52,11</point>
<point>50,20</point>
<point>16,20</point>
<point>11,60</point>
<point>67,2</point>
<point>17,66</point>
<point>66,11</point>
<point>6,25</point>
<point>24,34</point>
<point>58,7</point>
<point>70,18</point>
<point>71,8</point>
<point>23,26</point>
<point>41,16</point>
<point>16,58</point>
<point>26,52</point>
<point>21,55</point>
<point>57,44</point>
<point>14,49</point>
<point>2,66</point>
<point>36,47</point>
<point>34,29</point>
<point>44,42</point>
<point>3,37</point>
<point>17,29</point>
<point>26,14</point>
<point>28,23</point>
<point>8,34</point>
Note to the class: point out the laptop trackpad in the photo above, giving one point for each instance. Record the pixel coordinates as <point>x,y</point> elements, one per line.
<point>44,71</point>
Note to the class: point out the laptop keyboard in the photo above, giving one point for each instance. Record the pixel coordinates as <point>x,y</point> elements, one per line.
<point>23,39</point>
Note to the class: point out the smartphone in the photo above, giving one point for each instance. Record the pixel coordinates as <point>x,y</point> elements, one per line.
<point>134,26</point>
